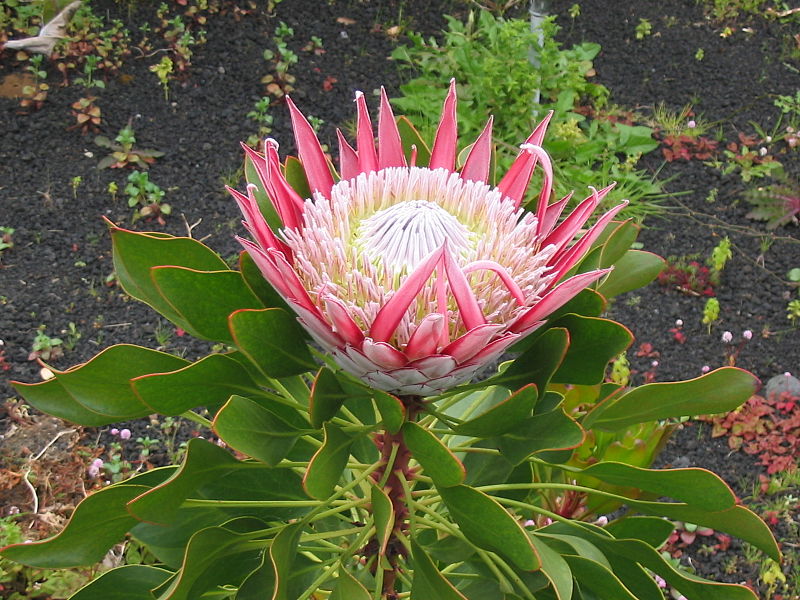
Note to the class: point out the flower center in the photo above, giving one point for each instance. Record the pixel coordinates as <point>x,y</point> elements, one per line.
<point>402,235</point>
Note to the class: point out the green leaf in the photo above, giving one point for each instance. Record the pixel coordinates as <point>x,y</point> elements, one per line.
<point>429,583</point>
<point>136,253</point>
<point>598,578</point>
<point>587,303</point>
<point>383,513</point>
<point>391,408</point>
<point>698,487</point>
<point>253,278</point>
<point>634,270</point>
<point>204,299</point>
<point>272,340</point>
<point>296,176</point>
<point>485,523</point>
<point>653,531</point>
<point>348,587</point>
<point>207,382</point>
<point>409,136</point>
<point>552,430</point>
<point>326,466</point>
<point>255,430</point>
<point>50,397</point>
<point>241,481</point>
<point>722,390</point>
<point>593,343</point>
<point>100,389</point>
<point>554,567</point>
<point>282,553</point>
<point>98,522</point>
<point>615,240</point>
<point>437,461</point>
<point>264,204</point>
<point>128,582</point>
<point>538,363</point>
<point>204,461</point>
<point>214,556</point>
<point>327,397</point>
<point>501,417</point>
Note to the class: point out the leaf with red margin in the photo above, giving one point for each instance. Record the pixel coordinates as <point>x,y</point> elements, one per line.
<point>437,461</point>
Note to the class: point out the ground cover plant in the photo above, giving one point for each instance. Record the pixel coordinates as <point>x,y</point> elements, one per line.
<point>57,269</point>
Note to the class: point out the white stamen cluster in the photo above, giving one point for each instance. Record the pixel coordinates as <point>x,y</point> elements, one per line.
<point>363,242</point>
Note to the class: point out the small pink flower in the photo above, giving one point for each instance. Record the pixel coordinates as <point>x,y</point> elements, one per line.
<point>414,277</point>
<point>705,369</point>
<point>654,364</point>
<point>678,322</point>
<point>114,431</point>
<point>124,434</point>
<point>660,581</point>
<point>727,337</point>
<point>94,469</point>
<point>691,124</point>
<point>747,334</point>
<point>601,521</point>
<point>529,523</point>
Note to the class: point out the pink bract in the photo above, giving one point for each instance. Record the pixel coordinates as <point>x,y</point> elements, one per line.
<point>414,277</point>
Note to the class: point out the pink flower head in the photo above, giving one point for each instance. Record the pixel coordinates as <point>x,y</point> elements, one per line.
<point>747,334</point>
<point>124,434</point>
<point>411,276</point>
<point>727,337</point>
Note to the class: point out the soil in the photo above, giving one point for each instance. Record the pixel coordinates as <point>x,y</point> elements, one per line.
<point>56,273</point>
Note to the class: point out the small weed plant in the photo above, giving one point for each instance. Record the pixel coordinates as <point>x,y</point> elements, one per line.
<point>146,194</point>
<point>123,152</point>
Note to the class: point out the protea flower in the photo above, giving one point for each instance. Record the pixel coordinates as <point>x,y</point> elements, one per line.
<point>414,277</point>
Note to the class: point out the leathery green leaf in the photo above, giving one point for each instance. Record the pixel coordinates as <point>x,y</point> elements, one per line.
<point>128,582</point>
<point>554,567</point>
<point>410,137</point>
<point>552,430</point>
<point>50,397</point>
<point>391,408</point>
<point>538,363</point>
<point>722,390</point>
<point>253,429</point>
<point>264,204</point>
<point>634,270</point>
<point>593,343</point>
<point>204,299</point>
<point>651,530</point>
<point>296,176</point>
<point>102,385</point>
<point>327,397</point>
<point>282,553</point>
<point>698,487</point>
<point>272,340</point>
<point>429,583</point>
<point>208,382</point>
<point>136,253</point>
<point>597,578</point>
<point>204,461</point>
<point>503,416</point>
<point>98,522</point>
<point>488,525</point>
<point>348,587</point>
<point>437,461</point>
<point>327,464</point>
<point>214,556</point>
<point>383,513</point>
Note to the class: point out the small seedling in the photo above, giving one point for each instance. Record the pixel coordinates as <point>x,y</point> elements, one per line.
<point>89,66</point>
<point>574,11</point>
<point>75,183</point>
<point>45,347</point>
<point>123,153</point>
<point>6,239</point>
<point>260,114</point>
<point>700,54</point>
<point>643,29</point>
<point>163,70</point>
<point>87,115</point>
<point>793,312</point>
<point>710,312</point>
<point>720,255</point>
<point>73,335</point>
<point>112,189</point>
<point>142,191</point>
